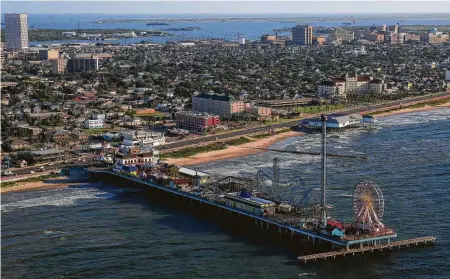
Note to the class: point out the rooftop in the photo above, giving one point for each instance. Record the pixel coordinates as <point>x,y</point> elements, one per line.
<point>47,151</point>
<point>215,97</point>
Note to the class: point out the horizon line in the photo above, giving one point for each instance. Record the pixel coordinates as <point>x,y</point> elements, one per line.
<point>284,13</point>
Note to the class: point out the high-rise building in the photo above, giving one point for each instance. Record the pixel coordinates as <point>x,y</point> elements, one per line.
<point>82,64</point>
<point>2,57</point>
<point>222,105</point>
<point>16,32</point>
<point>343,35</point>
<point>302,35</point>
<point>394,29</point>
<point>241,39</point>
<point>59,66</point>
<point>48,54</point>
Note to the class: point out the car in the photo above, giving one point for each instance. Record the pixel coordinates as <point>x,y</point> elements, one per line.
<point>31,172</point>
<point>50,164</point>
<point>7,173</point>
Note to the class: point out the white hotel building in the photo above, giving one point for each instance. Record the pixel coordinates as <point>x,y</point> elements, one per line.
<point>339,87</point>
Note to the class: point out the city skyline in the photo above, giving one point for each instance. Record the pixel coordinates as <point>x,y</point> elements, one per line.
<point>224,7</point>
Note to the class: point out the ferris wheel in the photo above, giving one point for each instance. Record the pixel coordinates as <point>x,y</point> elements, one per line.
<point>368,203</point>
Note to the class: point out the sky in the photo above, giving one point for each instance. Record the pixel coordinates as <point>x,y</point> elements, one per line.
<point>224,7</point>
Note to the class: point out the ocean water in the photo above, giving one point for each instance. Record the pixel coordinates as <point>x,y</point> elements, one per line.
<point>224,30</point>
<point>99,231</point>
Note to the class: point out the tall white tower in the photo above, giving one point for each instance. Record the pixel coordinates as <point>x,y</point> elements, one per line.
<point>241,39</point>
<point>16,32</point>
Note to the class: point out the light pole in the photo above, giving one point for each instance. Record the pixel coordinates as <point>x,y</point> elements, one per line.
<point>324,119</point>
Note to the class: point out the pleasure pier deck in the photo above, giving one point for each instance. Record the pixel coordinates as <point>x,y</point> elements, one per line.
<point>262,222</point>
<point>362,249</point>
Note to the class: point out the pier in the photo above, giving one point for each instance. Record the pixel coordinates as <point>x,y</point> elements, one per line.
<point>362,249</point>
<point>265,224</point>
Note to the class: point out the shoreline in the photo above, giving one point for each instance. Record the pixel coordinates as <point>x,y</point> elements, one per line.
<point>39,185</point>
<point>241,150</point>
<point>410,110</point>
<point>233,151</point>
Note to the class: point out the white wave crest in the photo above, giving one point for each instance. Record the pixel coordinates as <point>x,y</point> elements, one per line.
<point>59,197</point>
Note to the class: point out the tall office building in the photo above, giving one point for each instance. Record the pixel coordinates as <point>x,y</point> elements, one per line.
<point>82,65</point>
<point>16,32</point>
<point>302,35</point>
<point>59,66</point>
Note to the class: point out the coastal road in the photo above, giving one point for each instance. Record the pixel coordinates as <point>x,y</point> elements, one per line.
<point>293,123</point>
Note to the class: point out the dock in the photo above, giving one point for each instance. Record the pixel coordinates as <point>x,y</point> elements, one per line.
<point>380,247</point>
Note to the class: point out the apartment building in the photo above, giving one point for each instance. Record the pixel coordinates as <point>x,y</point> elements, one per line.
<point>196,122</point>
<point>339,87</point>
<point>222,105</point>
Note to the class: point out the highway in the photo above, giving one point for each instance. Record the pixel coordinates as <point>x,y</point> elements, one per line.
<point>292,123</point>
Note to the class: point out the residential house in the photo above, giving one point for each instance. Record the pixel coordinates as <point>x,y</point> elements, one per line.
<point>79,135</point>
<point>61,136</point>
<point>93,123</point>
<point>17,144</point>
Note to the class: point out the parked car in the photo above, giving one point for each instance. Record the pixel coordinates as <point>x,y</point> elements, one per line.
<point>31,172</point>
<point>7,173</point>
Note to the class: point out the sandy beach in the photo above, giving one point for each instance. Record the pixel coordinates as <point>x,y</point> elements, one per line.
<point>39,185</point>
<point>408,110</point>
<point>233,151</point>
